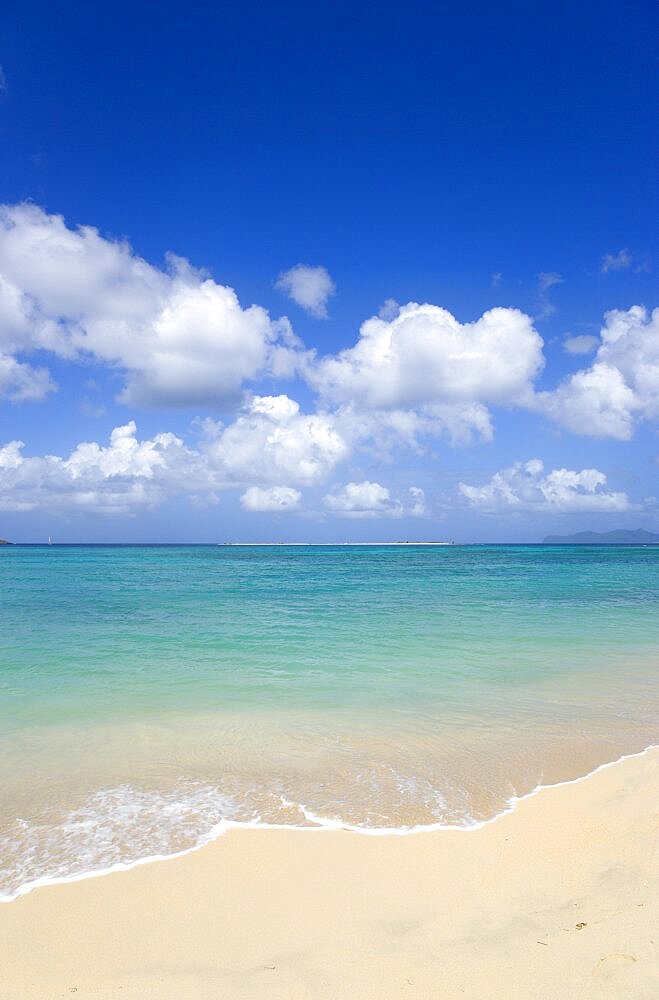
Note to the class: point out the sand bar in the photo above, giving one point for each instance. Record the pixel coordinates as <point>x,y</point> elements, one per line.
<point>559,899</point>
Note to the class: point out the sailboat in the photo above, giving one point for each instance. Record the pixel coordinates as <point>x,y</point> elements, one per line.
<point>50,541</point>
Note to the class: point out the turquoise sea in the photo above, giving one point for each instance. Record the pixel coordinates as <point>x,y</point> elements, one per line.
<point>152,696</point>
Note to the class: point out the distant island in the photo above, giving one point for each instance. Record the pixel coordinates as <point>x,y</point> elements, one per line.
<point>3,541</point>
<point>621,537</point>
<point>327,545</point>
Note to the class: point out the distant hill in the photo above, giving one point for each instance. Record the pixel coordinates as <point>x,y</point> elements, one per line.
<point>622,537</point>
<point>3,541</point>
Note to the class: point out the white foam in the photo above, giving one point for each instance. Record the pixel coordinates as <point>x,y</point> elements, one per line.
<point>318,824</point>
<point>118,825</point>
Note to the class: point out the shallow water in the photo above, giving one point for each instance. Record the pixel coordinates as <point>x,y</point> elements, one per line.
<point>149,694</point>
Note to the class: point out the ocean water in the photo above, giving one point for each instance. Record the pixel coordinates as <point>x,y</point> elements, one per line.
<point>152,697</point>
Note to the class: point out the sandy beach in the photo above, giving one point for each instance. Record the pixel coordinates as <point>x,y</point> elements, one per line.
<point>558,899</point>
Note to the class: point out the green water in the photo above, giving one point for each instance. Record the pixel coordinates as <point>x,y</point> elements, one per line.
<point>377,686</point>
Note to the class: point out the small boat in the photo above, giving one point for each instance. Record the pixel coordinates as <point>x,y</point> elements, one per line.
<point>50,541</point>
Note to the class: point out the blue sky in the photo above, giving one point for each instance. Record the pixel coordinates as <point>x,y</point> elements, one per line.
<point>434,211</point>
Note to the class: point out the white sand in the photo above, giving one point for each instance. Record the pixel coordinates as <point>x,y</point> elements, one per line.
<point>558,900</point>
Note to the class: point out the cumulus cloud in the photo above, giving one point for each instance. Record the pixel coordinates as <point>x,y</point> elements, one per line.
<point>179,337</point>
<point>460,424</point>
<point>616,261</point>
<point>622,384</point>
<point>309,287</point>
<point>120,478</point>
<point>368,500</point>
<point>272,499</point>
<point>362,500</point>
<point>582,343</point>
<point>425,357</point>
<point>269,442</point>
<point>382,431</point>
<point>596,401</point>
<point>525,486</point>
<point>273,442</point>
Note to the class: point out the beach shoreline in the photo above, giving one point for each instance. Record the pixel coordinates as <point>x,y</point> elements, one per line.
<point>314,824</point>
<point>557,897</point>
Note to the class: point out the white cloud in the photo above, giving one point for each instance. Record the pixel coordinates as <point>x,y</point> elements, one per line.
<point>461,424</point>
<point>275,498</point>
<point>425,357</point>
<point>389,309</point>
<point>309,287</point>
<point>622,384</point>
<point>270,442</point>
<point>179,337</point>
<point>367,500</point>
<point>362,500</point>
<point>418,499</point>
<point>380,432</point>
<point>524,486</point>
<point>623,261</point>
<point>582,343</point>
<point>19,381</point>
<point>124,476</point>
<point>273,442</point>
<point>616,261</point>
<point>595,401</point>
<point>126,456</point>
<point>547,280</point>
